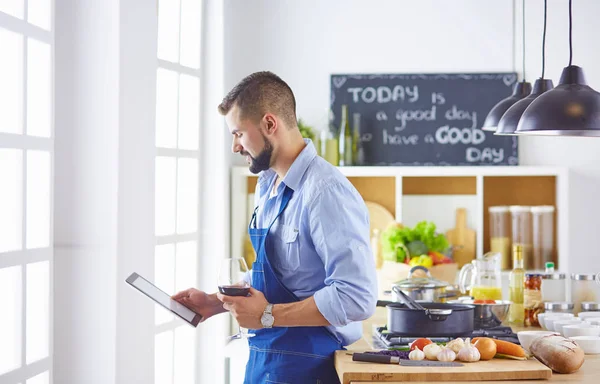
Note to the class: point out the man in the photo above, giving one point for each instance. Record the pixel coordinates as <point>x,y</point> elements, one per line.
<point>314,277</point>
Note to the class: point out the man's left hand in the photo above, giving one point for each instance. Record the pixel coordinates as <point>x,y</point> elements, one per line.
<point>247,310</point>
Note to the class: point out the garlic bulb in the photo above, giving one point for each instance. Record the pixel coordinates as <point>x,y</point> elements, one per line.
<point>468,353</point>
<point>416,354</point>
<point>446,355</point>
<point>456,345</point>
<point>431,351</point>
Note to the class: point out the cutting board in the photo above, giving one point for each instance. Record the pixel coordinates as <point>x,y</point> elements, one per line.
<point>495,369</point>
<point>462,238</point>
<point>379,219</point>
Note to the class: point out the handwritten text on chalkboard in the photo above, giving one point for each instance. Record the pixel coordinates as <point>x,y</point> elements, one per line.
<point>426,119</point>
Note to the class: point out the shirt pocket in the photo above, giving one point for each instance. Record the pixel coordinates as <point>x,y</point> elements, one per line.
<point>289,257</point>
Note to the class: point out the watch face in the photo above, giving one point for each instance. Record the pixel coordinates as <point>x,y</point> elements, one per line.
<point>267,320</point>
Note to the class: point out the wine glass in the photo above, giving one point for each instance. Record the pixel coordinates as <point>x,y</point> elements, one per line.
<point>231,283</point>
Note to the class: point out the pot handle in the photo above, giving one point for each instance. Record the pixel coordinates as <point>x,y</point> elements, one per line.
<point>464,278</point>
<point>385,303</point>
<point>417,267</point>
<point>438,315</point>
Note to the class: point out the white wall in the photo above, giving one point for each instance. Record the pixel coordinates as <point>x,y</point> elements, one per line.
<point>305,41</point>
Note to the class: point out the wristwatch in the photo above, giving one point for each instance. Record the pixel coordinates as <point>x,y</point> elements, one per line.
<point>267,317</point>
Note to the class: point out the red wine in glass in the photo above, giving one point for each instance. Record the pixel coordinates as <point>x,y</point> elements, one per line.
<point>231,282</point>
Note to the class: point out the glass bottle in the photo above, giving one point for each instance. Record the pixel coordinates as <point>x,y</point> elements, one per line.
<point>345,138</point>
<point>358,152</point>
<point>516,312</point>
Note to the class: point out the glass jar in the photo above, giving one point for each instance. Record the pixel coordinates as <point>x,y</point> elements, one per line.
<point>532,299</point>
<point>543,235</point>
<point>584,287</point>
<point>500,241</point>
<point>588,306</point>
<point>554,287</point>
<point>558,307</point>
<point>521,232</point>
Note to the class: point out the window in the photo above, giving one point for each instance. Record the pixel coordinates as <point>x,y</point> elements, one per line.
<point>26,171</point>
<point>176,180</point>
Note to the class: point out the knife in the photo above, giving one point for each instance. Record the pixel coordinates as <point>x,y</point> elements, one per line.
<point>374,358</point>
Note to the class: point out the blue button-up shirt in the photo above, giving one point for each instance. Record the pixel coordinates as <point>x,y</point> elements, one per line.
<point>320,244</point>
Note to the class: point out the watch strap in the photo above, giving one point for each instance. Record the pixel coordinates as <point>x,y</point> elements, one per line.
<point>269,309</point>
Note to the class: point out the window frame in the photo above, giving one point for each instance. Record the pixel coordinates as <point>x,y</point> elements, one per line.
<point>24,142</point>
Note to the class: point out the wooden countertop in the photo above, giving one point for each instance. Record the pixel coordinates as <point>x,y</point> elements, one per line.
<point>588,373</point>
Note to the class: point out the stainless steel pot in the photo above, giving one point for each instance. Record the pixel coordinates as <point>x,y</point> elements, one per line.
<point>424,289</point>
<point>487,315</point>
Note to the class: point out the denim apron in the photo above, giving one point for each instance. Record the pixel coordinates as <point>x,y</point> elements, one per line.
<point>294,355</point>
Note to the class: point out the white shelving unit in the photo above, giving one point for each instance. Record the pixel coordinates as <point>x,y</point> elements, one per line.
<point>240,177</point>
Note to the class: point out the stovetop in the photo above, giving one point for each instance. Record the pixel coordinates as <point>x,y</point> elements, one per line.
<point>389,339</point>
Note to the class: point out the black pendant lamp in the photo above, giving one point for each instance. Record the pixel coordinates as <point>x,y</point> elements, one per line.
<point>521,90</point>
<point>510,120</point>
<point>570,109</point>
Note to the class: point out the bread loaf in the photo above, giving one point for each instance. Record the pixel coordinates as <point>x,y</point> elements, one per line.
<point>558,353</point>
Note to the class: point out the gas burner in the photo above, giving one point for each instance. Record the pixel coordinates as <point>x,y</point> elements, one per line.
<point>390,339</point>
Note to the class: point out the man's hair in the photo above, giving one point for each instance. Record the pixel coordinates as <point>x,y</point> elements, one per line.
<point>260,93</point>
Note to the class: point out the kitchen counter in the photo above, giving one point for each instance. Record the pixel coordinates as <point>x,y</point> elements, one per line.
<point>588,373</point>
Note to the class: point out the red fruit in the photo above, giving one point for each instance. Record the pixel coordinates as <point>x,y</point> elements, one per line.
<point>437,257</point>
<point>421,343</point>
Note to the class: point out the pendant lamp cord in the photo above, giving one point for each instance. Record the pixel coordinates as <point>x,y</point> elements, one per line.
<point>544,38</point>
<point>523,1</point>
<point>570,33</point>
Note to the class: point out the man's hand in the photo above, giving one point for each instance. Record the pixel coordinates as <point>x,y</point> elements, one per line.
<point>247,310</point>
<point>200,302</point>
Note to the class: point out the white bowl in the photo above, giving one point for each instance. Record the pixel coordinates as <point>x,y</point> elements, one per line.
<point>541,321</point>
<point>582,329</point>
<point>550,319</point>
<point>589,344</point>
<point>527,337</point>
<point>592,321</point>
<point>587,315</point>
<point>558,325</point>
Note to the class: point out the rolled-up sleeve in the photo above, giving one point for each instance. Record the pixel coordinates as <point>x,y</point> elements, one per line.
<point>339,222</point>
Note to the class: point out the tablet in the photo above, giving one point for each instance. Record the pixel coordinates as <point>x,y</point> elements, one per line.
<point>160,297</point>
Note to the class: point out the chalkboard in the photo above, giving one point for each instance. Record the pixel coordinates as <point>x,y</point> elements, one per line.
<point>426,119</point>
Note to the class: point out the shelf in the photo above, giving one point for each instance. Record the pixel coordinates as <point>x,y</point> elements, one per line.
<point>519,190</point>
<point>439,185</point>
<point>381,190</point>
<point>475,188</point>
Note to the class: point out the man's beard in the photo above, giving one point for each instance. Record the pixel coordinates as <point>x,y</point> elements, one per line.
<point>262,162</point>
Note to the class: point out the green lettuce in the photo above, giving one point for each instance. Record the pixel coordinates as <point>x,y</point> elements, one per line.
<point>395,238</point>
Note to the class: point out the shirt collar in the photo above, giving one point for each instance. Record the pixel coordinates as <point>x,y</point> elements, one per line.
<point>299,166</point>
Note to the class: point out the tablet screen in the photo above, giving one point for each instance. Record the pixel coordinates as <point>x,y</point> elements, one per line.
<point>160,297</point>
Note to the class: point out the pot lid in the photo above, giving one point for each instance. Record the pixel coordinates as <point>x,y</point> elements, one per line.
<point>420,282</point>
